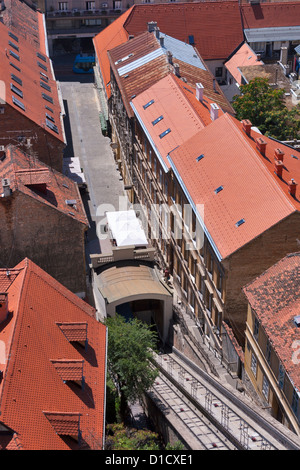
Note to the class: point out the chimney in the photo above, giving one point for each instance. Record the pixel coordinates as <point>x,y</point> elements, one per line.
<point>247,126</point>
<point>214,111</point>
<point>151,26</point>
<point>292,187</point>
<point>3,306</point>
<point>261,145</point>
<point>284,55</point>
<point>157,32</point>
<point>176,70</point>
<point>199,91</point>
<point>279,154</point>
<point>214,85</point>
<point>170,57</point>
<point>6,187</point>
<point>161,40</point>
<point>278,168</point>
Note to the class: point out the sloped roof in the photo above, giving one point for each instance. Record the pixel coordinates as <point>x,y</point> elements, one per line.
<point>35,402</point>
<point>28,84</point>
<point>275,298</point>
<point>243,57</point>
<point>214,28</point>
<point>178,116</point>
<point>46,185</point>
<point>270,15</point>
<point>249,194</point>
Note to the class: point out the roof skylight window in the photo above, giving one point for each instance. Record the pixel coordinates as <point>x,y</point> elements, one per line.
<point>240,222</point>
<point>13,36</point>
<point>42,66</point>
<point>167,131</point>
<point>15,66</point>
<point>16,90</point>
<point>51,118</point>
<point>47,97</point>
<point>13,45</point>
<point>18,103</point>
<point>45,86</point>
<point>16,79</point>
<point>148,104</point>
<point>200,157</point>
<point>52,126</point>
<point>41,56</point>
<point>157,120</point>
<point>218,189</point>
<point>49,109</point>
<point>14,55</point>
<point>44,77</point>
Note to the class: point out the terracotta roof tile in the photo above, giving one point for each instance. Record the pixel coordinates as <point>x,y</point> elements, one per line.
<point>28,86</point>
<point>268,15</point>
<point>250,192</point>
<point>35,179</point>
<point>275,299</point>
<point>245,56</point>
<point>32,386</point>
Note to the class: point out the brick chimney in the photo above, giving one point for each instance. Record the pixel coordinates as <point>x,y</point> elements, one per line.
<point>279,154</point>
<point>278,168</point>
<point>3,306</point>
<point>176,70</point>
<point>261,145</point>
<point>199,91</point>
<point>292,187</point>
<point>170,57</point>
<point>247,126</point>
<point>151,26</point>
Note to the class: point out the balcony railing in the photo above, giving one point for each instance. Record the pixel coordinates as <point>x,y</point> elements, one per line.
<point>82,13</point>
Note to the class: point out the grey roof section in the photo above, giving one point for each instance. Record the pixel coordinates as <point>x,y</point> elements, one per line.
<point>181,51</point>
<point>287,33</point>
<point>139,62</point>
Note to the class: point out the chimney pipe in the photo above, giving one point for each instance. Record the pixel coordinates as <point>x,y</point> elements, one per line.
<point>214,111</point>
<point>157,31</point>
<point>199,91</point>
<point>279,154</point>
<point>170,57</point>
<point>151,26</point>
<point>6,187</point>
<point>247,126</point>
<point>292,187</point>
<point>3,306</point>
<point>278,168</point>
<point>261,145</point>
<point>176,70</point>
<point>162,42</point>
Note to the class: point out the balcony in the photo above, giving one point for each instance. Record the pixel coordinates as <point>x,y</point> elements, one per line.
<point>59,14</point>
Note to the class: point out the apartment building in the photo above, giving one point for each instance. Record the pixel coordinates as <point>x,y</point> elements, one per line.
<point>272,339</point>
<point>43,218</point>
<point>52,365</point>
<point>31,109</point>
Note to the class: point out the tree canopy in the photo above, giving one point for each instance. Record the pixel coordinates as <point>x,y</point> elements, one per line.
<point>130,346</point>
<point>265,108</point>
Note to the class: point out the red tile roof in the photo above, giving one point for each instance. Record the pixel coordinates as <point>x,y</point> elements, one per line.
<point>245,56</point>
<point>35,402</point>
<point>250,190</point>
<point>215,26</point>
<point>178,115</point>
<point>35,179</point>
<point>28,86</point>
<point>275,298</point>
<point>269,15</point>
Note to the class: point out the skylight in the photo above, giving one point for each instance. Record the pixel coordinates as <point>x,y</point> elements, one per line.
<point>200,157</point>
<point>16,90</point>
<point>15,66</point>
<point>42,66</point>
<point>167,131</point>
<point>44,77</point>
<point>18,103</point>
<point>14,55</point>
<point>218,189</point>
<point>49,109</point>
<point>240,222</point>
<point>148,104</point>
<point>16,79</point>
<point>13,36</point>
<point>52,126</point>
<point>13,45</point>
<point>45,86</point>
<point>157,120</point>
<point>40,56</point>
<point>47,97</point>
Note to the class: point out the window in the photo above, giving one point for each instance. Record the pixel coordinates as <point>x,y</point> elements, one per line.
<point>268,352</point>
<point>15,66</point>
<point>255,329</point>
<point>16,79</point>
<point>281,376</point>
<point>90,5</point>
<point>45,86</point>
<point>117,5</point>
<point>219,72</point>
<point>42,66</point>
<point>41,56</point>
<point>16,90</point>
<point>47,97</point>
<point>295,401</point>
<point>13,36</point>
<point>253,364</point>
<point>13,45</point>
<point>62,6</point>
<point>18,103</point>
<point>14,55</point>
<point>265,387</point>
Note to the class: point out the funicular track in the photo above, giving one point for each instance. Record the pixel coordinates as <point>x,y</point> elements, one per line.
<point>215,419</point>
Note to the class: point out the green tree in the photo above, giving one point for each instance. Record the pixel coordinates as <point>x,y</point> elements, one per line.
<point>130,346</point>
<point>265,108</point>
<point>119,437</point>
